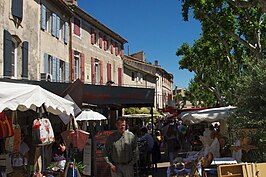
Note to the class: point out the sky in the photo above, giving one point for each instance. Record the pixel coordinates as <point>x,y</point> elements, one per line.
<point>153,26</point>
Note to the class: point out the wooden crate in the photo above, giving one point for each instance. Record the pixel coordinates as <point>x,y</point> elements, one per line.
<point>234,170</point>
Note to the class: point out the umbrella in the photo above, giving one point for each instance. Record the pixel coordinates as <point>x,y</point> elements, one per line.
<point>90,115</point>
<point>208,115</point>
<point>19,96</point>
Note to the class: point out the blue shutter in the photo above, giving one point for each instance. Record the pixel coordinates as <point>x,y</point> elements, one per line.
<point>66,33</point>
<point>17,8</point>
<point>7,54</point>
<point>57,70</point>
<point>43,17</point>
<point>46,69</point>
<point>54,69</point>
<point>66,72</point>
<point>57,26</point>
<point>54,24</point>
<point>25,56</point>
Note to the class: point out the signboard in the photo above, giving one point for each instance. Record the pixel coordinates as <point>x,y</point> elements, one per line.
<point>102,168</point>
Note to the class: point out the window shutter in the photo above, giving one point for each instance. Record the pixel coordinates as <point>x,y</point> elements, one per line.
<point>66,72</point>
<point>101,72</point>
<point>112,46</point>
<point>116,49</point>
<point>66,33</point>
<point>54,24</point>
<point>54,74</point>
<point>100,40</point>
<point>105,43</point>
<point>109,76</point>
<point>57,26</point>
<point>25,56</point>
<point>119,76</point>
<point>82,67</point>
<point>17,8</point>
<point>92,71</point>
<point>76,26</point>
<point>7,54</point>
<point>92,36</point>
<point>45,62</point>
<point>57,70</point>
<point>43,17</point>
<point>122,51</point>
<point>72,66</point>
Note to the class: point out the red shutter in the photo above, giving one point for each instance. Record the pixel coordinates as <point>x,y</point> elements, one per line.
<point>119,76</point>
<point>76,26</point>
<point>105,43</point>
<point>72,65</point>
<point>82,67</point>
<point>116,49</point>
<point>92,71</point>
<point>101,72</point>
<point>92,36</point>
<point>100,40</point>
<point>122,51</point>
<point>112,46</point>
<point>109,77</point>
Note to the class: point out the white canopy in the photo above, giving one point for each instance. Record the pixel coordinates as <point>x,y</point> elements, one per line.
<point>90,115</point>
<point>208,115</point>
<point>17,96</point>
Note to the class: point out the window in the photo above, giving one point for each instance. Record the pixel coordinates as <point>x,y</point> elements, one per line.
<point>17,8</point>
<point>62,30</point>
<point>77,65</point>
<point>97,70</point>
<point>48,21</point>
<point>62,71</point>
<point>14,58</point>
<point>132,76</point>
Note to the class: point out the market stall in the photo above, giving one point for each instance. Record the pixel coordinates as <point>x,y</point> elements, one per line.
<point>33,101</point>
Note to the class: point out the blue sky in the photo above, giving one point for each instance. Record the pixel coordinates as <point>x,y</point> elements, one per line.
<point>153,26</point>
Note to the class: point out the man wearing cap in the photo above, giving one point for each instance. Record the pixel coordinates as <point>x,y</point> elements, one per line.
<point>121,150</point>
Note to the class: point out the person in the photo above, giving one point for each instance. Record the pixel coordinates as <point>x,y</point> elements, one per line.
<point>146,137</point>
<point>58,149</point>
<point>121,150</point>
<point>24,149</point>
<point>170,134</point>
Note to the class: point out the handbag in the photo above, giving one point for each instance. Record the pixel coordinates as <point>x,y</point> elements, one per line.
<point>42,132</point>
<point>6,129</point>
<point>74,136</point>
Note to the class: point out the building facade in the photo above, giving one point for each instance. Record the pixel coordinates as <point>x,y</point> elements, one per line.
<point>31,30</point>
<point>97,51</point>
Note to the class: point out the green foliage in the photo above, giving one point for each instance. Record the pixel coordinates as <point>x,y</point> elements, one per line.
<point>79,165</point>
<point>136,110</point>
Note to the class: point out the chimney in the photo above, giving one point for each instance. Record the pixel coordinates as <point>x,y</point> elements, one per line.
<point>156,63</point>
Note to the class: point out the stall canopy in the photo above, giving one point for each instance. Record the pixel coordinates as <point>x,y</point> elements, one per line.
<point>207,115</point>
<point>18,96</point>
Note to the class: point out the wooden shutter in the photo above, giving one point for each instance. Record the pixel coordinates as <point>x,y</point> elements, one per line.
<point>72,66</point>
<point>116,49</point>
<point>82,67</point>
<point>66,72</point>
<point>57,26</point>
<point>25,55</point>
<point>109,76</point>
<point>105,43</point>
<point>45,63</point>
<point>17,8</point>
<point>92,71</point>
<point>54,74</point>
<point>53,24</point>
<point>119,76</point>
<point>122,51</point>
<point>57,69</point>
<point>7,54</point>
<point>92,36</point>
<point>76,26</point>
<point>101,72</point>
<point>43,17</point>
<point>112,46</point>
<point>100,40</point>
<point>66,33</point>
